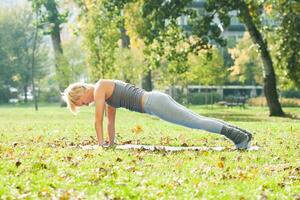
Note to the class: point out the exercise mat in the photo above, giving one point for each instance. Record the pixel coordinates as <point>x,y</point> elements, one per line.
<point>165,148</point>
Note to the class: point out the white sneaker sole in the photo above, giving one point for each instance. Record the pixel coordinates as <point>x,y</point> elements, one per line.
<point>245,144</point>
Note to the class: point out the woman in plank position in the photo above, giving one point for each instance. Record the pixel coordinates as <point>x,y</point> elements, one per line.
<point>117,94</point>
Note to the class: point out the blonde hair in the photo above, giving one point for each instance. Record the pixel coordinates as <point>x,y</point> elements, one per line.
<point>72,94</point>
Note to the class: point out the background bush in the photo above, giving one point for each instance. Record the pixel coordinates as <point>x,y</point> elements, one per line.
<point>285,102</point>
<point>291,94</point>
<point>204,98</point>
<point>4,95</point>
<point>50,96</point>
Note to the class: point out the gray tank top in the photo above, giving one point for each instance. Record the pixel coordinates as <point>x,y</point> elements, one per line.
<point>126,95</point>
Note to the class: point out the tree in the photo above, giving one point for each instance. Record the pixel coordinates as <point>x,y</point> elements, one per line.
<point>287,36</point>
<point>100,25</point>
<point>207,29</point>
<point>33,61</point>
<point>133,22</point>
<point>128,65</point>
<point>50,21</point>
<point>270,86</point>
<point>206,71</point>
<point>171,52</point>
<point>247,64</point>
<point>75,59</point>
<point>154,30</point>
<point>16,39</point>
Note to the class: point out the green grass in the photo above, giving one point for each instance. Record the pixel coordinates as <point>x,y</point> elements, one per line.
<point>38,158</point>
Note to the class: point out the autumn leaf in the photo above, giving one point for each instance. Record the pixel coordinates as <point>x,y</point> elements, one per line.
<point>137,129</point>
<point>119,159</point>
<point>18,163</point>
<point>127,142</point>
<point>220,164</point>
<point>205,153</point>
<point>165,140</point>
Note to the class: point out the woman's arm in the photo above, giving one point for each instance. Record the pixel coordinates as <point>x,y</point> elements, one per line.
<point>99,96</point>
<point>111,116</point>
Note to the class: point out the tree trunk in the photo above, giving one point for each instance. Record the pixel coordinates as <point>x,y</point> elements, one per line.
<point>125,40</point>
<point>58,52</point>
<point>56,42</point>
<point>147,81</point>
<point>32,65</point>
<point>25,94</point>
<point>268,69</point>
<point>55,36</point>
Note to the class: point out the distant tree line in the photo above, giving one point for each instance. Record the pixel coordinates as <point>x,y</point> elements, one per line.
<point>140,42</point>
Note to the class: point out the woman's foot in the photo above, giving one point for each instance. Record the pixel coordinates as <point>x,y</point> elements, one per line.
<point>245,144</point>
<point>240,138</point>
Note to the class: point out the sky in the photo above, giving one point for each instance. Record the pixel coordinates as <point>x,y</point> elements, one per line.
<point>11,2</point>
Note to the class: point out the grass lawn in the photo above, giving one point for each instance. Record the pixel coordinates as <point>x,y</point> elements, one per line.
<point>39,157</point>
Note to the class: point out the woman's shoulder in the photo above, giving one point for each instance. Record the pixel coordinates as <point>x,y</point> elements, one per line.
<point>104,85</point>
<point>102,82</point>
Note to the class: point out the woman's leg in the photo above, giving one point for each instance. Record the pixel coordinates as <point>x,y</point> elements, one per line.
<point>166,108</point>
<point>221,121</point>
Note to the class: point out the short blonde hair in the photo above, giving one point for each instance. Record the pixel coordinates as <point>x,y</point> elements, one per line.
<point>72,94</point>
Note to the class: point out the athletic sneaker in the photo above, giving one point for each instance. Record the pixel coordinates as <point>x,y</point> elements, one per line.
<point>240,138</point>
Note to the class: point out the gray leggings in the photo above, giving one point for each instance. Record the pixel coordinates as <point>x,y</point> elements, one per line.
<point>166,108</point>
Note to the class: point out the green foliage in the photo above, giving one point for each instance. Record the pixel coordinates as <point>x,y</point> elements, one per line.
<point>208,71</point>
<point>74,55</point>
<point>64,71</point>
<point>101,30</point>
<point>247,63</point>
<point>16,43</point>
<point>204,98</point>
<point>288,45</point>
<point>50,19</point>
<point>128,65</point>
<point>171,50</point>
<point>4,94</point>
<point>50,95</point>
<point>153,23</point>
<point>154,14</point>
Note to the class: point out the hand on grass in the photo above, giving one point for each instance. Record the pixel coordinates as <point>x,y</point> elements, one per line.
<point>106,144</point>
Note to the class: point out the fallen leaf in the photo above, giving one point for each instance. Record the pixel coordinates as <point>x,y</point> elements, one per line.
<point>18,163</point>
<point>137,129</point>
<point>127,142</point>
<point>184,145</point>
<point>223,158</point>
<point>119,159</point>
<point>220,164</point>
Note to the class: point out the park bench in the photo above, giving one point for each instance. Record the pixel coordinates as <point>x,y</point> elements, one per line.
<point>233,102</point>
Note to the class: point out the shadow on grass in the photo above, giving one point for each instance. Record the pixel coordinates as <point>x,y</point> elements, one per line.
<point>246,117</point>
<point>239,117</point>
<point>292,116</point>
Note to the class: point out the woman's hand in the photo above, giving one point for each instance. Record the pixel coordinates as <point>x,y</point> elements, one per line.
<point>108,145</point>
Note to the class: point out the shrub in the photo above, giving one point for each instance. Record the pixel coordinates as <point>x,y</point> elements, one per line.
<point>291,94</point>
<point>50,96</point>
<point>204,98</point>
<point>285,102</point>
<point>4,95</point>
